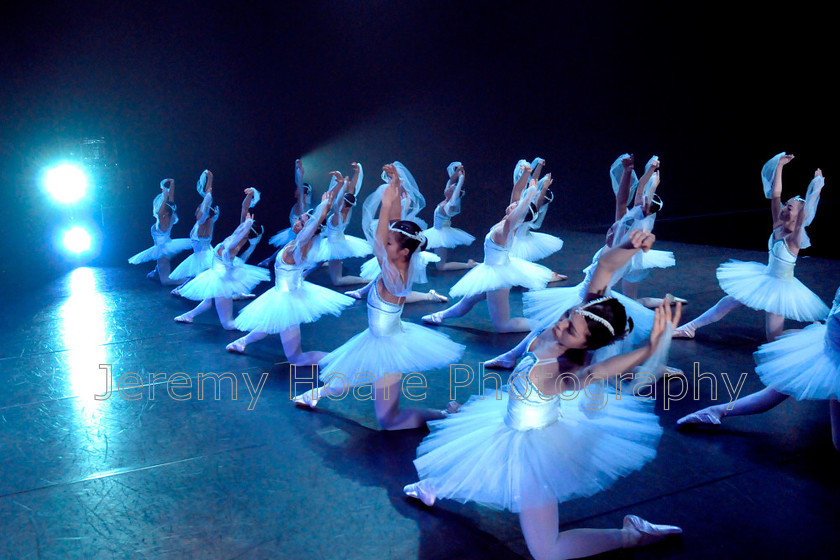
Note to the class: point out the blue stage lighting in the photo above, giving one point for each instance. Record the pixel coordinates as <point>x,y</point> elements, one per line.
<point>76,240</point>
<point>66,183</point>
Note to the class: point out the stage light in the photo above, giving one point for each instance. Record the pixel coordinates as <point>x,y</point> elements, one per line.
<point>76,240</point>
<point>66,183</point>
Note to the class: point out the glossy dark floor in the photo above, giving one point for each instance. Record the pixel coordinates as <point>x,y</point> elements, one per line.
<point>243,477</point>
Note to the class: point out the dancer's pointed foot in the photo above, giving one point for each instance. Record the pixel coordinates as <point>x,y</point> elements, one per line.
<point>433,319</point>
<point>419,491</point>
<point>308,399</point>
<point>671,371</point>
<point>176,291</point>
<point>437,298</point>
<point>555,277</point>
<point>654,302</point>
<point>238,297</point>
<point>236,347</point>
<point>153,274</point>
<point>265,263</point>
<point>471,263</point>
<point>185,318</point>
<point>355,294</point>
<point>707,416</point>
<point>685,331</point>
<point>500,362</point>
<point>638,532</point>
<point>452,408</point>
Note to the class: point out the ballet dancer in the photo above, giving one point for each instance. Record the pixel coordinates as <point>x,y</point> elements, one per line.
<point>303,202</point>
<point>543,440</point>
<point>530,245</point>
<point>492,279</point>
<point>411,201</point>
<point>292,301</point>
<point>201,234</point>
<point>388,348</point>
<point>803,364</point>
<point>771,288</point>
<point>228,277</point>
<point>442,236</point>
<point>164,213</point>
<point>336,245</point>
<point>644,207</point>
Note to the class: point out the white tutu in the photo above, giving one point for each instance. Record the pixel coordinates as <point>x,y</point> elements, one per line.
<point>486,278</point>
<point>193,265</point>
<point>224,282</point>
<point>475,455</point>
<point>447,237</point>
<point>751,284</point>
<point>370,268</point>
<point>535,246</point>
<point>277,310</point>
<point>281,238</point>
<point>343,247</point>
<point>166,249</point>
<point>804,364</point>
<point>642,262</point>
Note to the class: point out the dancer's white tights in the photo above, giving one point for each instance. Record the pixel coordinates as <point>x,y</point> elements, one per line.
<point>498,302</point>
<point>545,542</point>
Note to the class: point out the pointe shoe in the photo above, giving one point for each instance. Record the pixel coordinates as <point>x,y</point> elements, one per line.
<point>437,298</point>
<point>555,277</point>
<point>642,533</point>
<point>176,291</point>
<point>471,263</point>
<point>704,417</point>
<point>236,347</point>
<point>239,297</point>
<point>184,319</point>
<point>433,319</point>
<point>419,492</point>
<point>265,263</point>
<point>685,331</point>
<point>500,363</point>
<point>153,275</point>
<point>671,371</point>
<point>307,399</point>
<point>654,302</point>
<point>355,294</point>
<point>452,408</point>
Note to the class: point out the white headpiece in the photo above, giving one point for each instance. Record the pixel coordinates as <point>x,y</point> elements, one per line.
<point>588,314</point>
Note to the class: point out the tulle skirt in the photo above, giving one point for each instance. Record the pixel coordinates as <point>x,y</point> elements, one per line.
<point>641,263</point>
<point>486,278</point>
<point>193,265</point>
<point>535,246</point>
<point>751,285</point>
<point>543,308</point>
<point>413,349</point>
<point>345,247</point>
<point>801,364</point>
<point>276,310</point>
<point>447,237</point>
<point>224,283</point>
<point>370,268</point>
<point>168,249</point>
<point>474,456</point>
<point>280,238</point>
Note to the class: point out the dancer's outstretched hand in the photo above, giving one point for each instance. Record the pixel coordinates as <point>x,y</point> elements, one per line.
<point>641,239</point>
<point>785,159</point>
<point>662,317</point>
<point>628,162</point>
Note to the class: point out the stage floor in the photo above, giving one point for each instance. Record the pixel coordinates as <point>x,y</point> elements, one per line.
<point>243,477</point>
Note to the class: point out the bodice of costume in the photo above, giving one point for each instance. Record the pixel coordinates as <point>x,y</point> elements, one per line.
<point>528,408</point>
<point>287,277</point>
<point>781,261</point>
<point>442,221</point>
<point>202,243</point>
<point>161,237</point>
<point>495,254</point>
<point>383,317</point>
<point>336,233</point>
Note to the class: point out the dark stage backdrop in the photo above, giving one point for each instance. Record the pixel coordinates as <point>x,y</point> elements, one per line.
<point>245,88</point>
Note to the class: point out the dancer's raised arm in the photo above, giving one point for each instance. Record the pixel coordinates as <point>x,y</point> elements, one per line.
<point>515,218</point>
<point>524,168</point>
<point>798,239</point>
<point>651,168</point>
<point>622,195</point>
<point>614,258</point>
<point>776,192</point>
